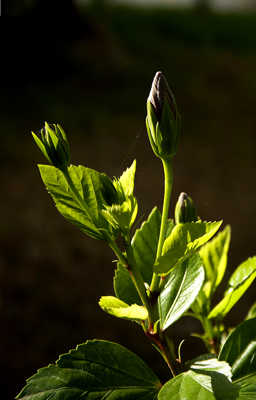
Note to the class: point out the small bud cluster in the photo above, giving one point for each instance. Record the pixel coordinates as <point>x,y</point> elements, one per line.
<point>53,143</point>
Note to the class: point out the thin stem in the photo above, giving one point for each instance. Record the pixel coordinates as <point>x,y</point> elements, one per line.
<point>168,181</point>
<point>209,335</point>
<point>159,341</point>
<point>135,276</point>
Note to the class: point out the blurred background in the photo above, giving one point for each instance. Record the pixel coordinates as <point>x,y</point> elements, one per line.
<point>93,76</point>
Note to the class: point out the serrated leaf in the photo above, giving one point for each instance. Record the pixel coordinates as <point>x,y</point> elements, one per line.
<point>183,285</point>
<point>144,247</point>
<point>210,385</point>
<point>90,186</point>
<point>239,282</point>
<point>96,370</point>
<point>118,308</point>
<point>122,216</point>
<point>127,179</point>
<point>183,239</point>
<point>239,350</point>
<point>214,255</point>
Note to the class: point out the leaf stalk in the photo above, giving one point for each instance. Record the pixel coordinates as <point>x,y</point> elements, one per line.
<point>135,276</point>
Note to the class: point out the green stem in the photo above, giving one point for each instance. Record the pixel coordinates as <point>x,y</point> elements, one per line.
<point>209,335</point>
<point>168,181</point>
<point>135,276</point>
<point>160,343</point>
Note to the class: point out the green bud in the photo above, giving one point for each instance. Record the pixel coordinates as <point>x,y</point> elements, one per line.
<point>163,119</point>
<point>52,141</point>
<point>108,191</point>
<point>185,210</point>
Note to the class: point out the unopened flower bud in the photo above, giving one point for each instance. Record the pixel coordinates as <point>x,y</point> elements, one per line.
<point>163,120</point>
<point>185,210</point>
<point>52,141</point>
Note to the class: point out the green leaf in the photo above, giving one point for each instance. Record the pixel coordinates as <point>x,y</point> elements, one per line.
<point>215,255</point>
<point>144,244</point>
<point>124,287</point>
<point>180,291</point>
<point>96,370</point>
<point>247,386</point>
<point>41,146</point>
<point>252,312</point>
<point>90,185</point>
<point>127,179</point>
<point>114,306</point>
<point>239,282</point>
<point>183,239</point>
<point>144,247</point>
<point>239,350</point>
<point>209,385</point>
<point>210,363</point>
<point>122,216</point>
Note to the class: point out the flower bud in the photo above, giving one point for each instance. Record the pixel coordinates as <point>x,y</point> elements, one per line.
<point>163,119</point>
<point>185,210</point>
<point>52,141</point>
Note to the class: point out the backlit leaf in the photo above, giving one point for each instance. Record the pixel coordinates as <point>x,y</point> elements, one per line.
<point>90,185</point>
<point>252,312</point>
<point>118,308</point>
<point>127,179</point>
<point>214,255</point>
<point>239,282</point>
<point>183,239</point>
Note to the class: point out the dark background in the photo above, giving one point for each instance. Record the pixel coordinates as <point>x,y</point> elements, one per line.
<point>93,76</point>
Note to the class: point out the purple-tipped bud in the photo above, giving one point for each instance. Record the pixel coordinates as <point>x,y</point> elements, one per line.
<point>185,210</point>
<point>159,93</point>
<point>163,120</point>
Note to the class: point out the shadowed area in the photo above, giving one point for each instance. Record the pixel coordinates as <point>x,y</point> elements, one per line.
<point>94,81</point>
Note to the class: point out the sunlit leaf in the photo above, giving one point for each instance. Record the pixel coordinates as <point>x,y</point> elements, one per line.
<point>211,363</point>
<point>90,185</point>
<point>209,385</point>
<point>127,179</point>
<point>239,282</point>
<point>252,312</point>
<point>183,239</point>
<point>96,370</point>
<point>118,308</point>
<point>182,286</point>
<point>214,255</point>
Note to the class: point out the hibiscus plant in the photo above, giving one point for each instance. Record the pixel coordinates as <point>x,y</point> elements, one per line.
<point>169,268</point>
